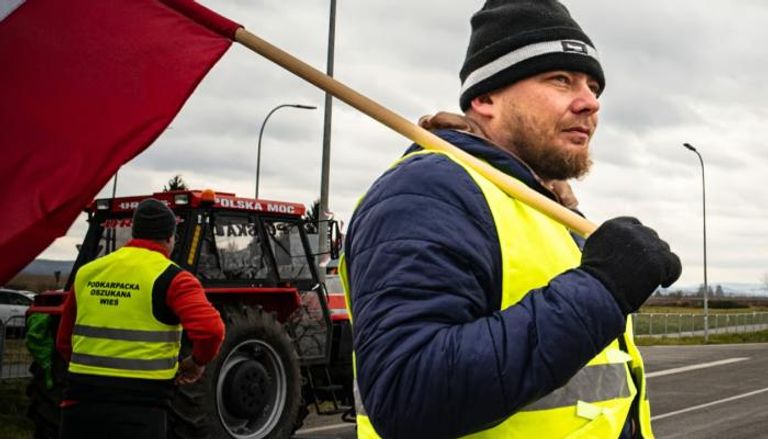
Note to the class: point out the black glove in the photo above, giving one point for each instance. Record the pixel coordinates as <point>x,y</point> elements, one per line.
<point>630,260</point>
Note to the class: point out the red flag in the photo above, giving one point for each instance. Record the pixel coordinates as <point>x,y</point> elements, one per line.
<point>84,87</point>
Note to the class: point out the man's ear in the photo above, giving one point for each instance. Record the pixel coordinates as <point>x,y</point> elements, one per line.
<point>483,105</point>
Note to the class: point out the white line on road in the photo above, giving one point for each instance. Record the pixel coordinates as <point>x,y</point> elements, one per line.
<point>709,404</point>
<point>324,428</point>
<point>695,367</point>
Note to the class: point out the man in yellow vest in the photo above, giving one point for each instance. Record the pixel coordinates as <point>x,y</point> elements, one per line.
<point>121,332</point>
<point>473,314</point>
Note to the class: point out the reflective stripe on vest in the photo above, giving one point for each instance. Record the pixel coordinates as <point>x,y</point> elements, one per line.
<point>127,334</point>
<point>134,364</point>
<point>590,384</point>
<point>115,332</point>
<point>597,400</point>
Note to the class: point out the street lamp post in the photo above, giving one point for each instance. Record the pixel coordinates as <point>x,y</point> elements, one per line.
<point>326,162</point>
<point>114,184</point>
<point>704,218</point>
<point>261,132</point>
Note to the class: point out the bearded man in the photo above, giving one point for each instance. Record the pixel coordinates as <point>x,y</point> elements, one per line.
<point>475,315</point>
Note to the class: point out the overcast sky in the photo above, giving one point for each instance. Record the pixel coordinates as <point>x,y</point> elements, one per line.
<point>676,72</point>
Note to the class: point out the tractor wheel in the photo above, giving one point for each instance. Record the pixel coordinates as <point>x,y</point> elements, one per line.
<point>250,391</point>
<point>43,408</point>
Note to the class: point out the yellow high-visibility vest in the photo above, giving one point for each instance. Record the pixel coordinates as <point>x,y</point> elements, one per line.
<point>115,332</point>
<point>595,403</point>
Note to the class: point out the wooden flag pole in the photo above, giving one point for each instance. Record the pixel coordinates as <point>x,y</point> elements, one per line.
<point>426,139</point>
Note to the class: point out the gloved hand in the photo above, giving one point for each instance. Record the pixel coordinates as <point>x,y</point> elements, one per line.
<point>630,260</point>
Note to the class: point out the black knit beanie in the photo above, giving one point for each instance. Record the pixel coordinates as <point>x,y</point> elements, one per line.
<point>153,220</point>
<point>514,39</point>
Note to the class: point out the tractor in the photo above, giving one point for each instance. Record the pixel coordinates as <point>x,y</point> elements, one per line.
<point>288,341</point>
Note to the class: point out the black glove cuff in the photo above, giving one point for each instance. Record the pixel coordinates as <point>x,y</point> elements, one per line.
<point>609,285</point>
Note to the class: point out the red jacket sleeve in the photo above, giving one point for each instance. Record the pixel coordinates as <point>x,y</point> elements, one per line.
<point>200,320</point>
<point>64,334</point>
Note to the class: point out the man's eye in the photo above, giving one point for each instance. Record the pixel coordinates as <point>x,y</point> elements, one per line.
<point>563,79</point>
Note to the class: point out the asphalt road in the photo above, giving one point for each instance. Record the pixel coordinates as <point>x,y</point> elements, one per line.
<point>704,392</point>
<point>724,400</point>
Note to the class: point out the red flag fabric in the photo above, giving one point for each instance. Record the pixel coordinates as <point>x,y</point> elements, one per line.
<point>84,87</point>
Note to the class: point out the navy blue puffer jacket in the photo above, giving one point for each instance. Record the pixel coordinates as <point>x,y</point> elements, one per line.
<point>435,355</point>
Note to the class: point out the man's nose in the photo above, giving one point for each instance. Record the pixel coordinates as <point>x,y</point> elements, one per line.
<point>585,100</point>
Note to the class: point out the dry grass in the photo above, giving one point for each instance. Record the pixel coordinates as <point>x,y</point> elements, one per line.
<point>36,283</point>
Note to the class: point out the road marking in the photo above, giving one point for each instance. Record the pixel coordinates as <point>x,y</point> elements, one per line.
<point>324,428</point>
<point>695,367</point>
<point>709,404</point>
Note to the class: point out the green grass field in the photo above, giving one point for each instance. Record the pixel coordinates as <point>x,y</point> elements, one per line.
<point>749,337</point>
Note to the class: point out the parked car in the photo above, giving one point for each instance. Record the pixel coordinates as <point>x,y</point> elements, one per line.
<point>30,294</point>
<point>13,307</point>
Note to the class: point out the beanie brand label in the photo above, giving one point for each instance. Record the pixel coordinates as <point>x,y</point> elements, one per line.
<point>574,46</point>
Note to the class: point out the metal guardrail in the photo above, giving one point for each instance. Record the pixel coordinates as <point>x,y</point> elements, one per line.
<point>15,359</point>
<point>692,324</point>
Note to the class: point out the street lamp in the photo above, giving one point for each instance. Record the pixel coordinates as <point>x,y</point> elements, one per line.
<point>704,217</point>
<point>114,184</point>
<point>326,161</point>
<point>261,132</point>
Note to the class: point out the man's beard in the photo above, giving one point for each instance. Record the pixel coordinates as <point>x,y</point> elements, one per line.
<point>547,160</point>
<point>553,163</point>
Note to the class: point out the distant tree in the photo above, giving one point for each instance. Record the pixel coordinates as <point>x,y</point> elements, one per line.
<point>765,280</point>
<point>719,291</point>
<point>700,292</point>
<point>176,183</point>
<point>312,216</point>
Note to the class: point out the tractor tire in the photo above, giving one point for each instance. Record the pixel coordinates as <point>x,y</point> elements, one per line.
<point>250,391</point>
<point>43,408</point>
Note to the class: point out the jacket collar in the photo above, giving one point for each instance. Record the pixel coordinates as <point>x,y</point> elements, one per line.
<point>147,244</point>
<point>466,134</point>
<point>498,158</point>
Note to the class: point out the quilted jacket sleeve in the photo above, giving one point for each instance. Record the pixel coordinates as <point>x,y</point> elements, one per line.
<point>435,356</point>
